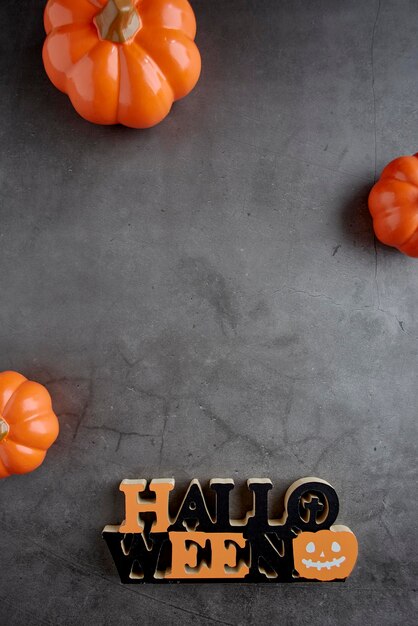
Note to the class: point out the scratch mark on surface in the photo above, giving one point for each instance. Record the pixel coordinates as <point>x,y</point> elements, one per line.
<point>286,415</point>
<point>319,296</point>
<point>375,144</point>
<point>85,407</point>
<point>333,444</point>
<point>373,88</point>
<point>232,435</point>
<point>266,452</point>
<point>376,281</point>
<point>166,412</point>
<point>335,250</point>
<point>307,293</point>
<point>119,433</point>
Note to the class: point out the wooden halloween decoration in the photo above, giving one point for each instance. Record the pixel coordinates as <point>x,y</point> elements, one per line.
<point>121,61</point>
<point>28,425</point>
<point>393,203</point>
<point>203,545</point>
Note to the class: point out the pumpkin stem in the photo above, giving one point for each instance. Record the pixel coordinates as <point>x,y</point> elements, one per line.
<point>4,428</point>
<point>118,21</point>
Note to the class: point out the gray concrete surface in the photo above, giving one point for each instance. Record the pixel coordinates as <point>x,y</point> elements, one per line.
<point>205,299</point>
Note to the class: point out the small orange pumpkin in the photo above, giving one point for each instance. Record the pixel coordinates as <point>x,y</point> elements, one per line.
<point>325,554</point>
<point>28,425</point>
<point>121,61</point>
<point>393,203</point>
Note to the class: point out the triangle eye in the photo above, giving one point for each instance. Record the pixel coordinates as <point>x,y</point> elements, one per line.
<point>310,547</point>
<point>335,547</point>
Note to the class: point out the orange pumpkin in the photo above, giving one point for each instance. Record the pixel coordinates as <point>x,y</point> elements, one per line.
<point>393,203</point>
<point>121,61</point>
<point>325,554</point>
<point>28,425</point>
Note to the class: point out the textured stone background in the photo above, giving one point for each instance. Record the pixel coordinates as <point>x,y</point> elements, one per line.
<point>205,299</point>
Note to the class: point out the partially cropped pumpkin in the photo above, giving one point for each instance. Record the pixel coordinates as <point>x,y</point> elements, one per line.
<point>121,61</point>
<point>28,425</point>
<point>393,203</point>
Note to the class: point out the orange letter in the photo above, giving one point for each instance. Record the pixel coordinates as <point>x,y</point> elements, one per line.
<point>224,559</point>
<point>134,505</point>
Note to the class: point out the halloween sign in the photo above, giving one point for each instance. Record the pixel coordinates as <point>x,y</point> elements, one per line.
<point>203,545</point>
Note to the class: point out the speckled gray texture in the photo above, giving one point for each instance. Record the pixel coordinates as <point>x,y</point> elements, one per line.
<point>205,299</point>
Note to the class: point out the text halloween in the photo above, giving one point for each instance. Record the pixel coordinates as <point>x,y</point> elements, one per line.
<point>200,546</point>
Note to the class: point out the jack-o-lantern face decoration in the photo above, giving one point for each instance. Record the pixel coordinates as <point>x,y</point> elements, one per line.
<point>326,554</point>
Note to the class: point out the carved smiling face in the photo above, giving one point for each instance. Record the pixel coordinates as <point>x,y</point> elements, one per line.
<point>325,555</point>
